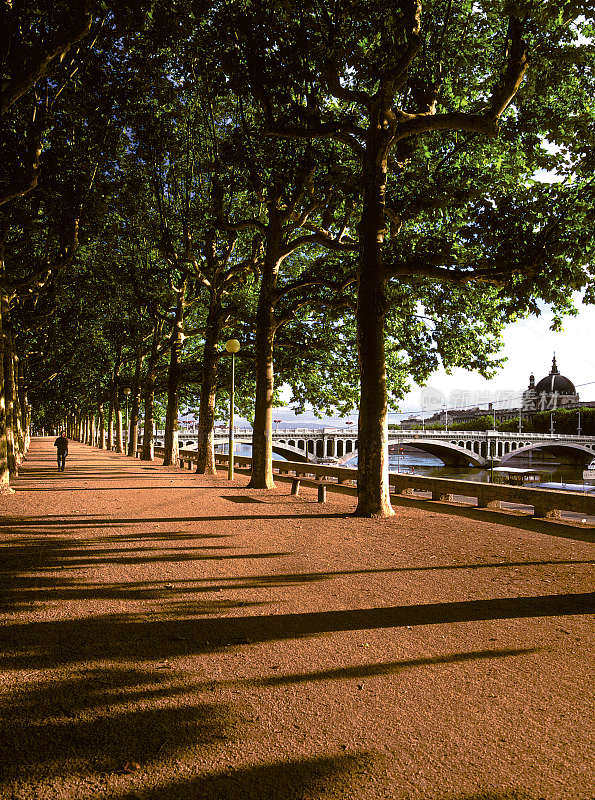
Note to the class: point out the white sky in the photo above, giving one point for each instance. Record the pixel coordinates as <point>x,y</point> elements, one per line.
<point>528,347</point>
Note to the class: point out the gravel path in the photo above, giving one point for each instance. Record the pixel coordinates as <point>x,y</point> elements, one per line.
<point>168,636</point>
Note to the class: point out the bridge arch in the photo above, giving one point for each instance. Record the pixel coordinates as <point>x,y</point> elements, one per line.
<point>451,454</point>
<point>580,453</point>
<point>280,448</point>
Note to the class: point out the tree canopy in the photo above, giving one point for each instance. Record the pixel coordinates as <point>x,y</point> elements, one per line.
<point>360,192</point>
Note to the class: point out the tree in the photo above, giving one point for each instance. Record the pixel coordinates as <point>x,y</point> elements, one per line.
<point>406,93</point>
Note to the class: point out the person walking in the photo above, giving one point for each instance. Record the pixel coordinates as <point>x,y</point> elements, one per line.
<point>62,444</point>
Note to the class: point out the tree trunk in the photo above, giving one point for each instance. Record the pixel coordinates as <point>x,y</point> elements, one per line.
<point>171,445</point>
<point>93,436</point>
<point>100,414</point>
<point>4,471</point>
<point>205,450</point>
<point>135,394</point>
<point>262,442</point>
<point>110,422</point>
<point>115,403</point>
<point>18,419</point>
<point>148,452</point>
<point>372,476</point>
<point>25,410</point>
<point>9,392</point>
<point>118,424</point>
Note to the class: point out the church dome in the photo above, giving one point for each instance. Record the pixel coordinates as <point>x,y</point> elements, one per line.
<point>554,382</point>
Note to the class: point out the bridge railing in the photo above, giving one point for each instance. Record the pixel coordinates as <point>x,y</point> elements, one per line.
<point>456,434</point>
<point>545,502</point>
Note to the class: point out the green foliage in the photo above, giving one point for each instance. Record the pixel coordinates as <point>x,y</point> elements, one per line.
<point>156,136</point>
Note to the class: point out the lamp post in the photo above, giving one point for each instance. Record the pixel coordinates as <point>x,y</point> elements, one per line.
<point>232,346</point>
<point>277,421</point>
<point>126,394</point>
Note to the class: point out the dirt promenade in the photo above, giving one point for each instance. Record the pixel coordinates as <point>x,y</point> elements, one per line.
<point>168,636</point>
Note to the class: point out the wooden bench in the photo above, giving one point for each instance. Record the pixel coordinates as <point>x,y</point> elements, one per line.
<point>295,488</point>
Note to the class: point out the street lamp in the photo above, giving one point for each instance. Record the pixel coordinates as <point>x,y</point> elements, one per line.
<point>126,394</point>
<point>277,421</point>
<point>232,346</point>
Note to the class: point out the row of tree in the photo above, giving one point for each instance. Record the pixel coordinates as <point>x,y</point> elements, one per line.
<point>349,188</point>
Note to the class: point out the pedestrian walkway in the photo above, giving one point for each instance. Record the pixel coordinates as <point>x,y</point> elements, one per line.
<point>169,636</point>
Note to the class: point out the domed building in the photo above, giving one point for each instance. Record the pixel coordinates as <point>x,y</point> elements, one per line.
<point>553,391</point>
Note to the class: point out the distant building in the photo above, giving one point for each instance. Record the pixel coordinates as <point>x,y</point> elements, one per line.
<point>553,391</point>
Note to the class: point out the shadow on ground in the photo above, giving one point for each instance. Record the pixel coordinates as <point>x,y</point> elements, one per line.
<point>123,636</point>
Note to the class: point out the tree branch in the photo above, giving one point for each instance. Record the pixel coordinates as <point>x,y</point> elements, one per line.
<point>327,130</point>
<point>485,123</point>
<point>26,182</point>
<point>318,237</point>
<point>453,121</point>
<point>331,73</point>
<point>14,88</point>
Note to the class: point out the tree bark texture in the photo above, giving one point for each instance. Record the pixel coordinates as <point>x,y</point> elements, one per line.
<point>171,444</point>
<point>373,485</point>
<point>25,410</point>
<point>118,424</point>
<point>9,391</point>
<point>205,451</point>
<point>148,452</point>
<point>115,404</point>
<point>134,408</point>
<point>262,443</point>
<point>18,418</point>
<point>4,471</point>
<point>110,422</point>
<point>101,416</point>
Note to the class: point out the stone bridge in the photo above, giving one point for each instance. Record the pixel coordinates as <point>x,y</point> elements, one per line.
<point>458,448</point>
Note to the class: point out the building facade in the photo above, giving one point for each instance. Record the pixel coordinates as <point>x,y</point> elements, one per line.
<point>553,391</point>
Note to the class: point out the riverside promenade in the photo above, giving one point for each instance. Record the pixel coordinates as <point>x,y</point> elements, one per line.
<point>168,636</point>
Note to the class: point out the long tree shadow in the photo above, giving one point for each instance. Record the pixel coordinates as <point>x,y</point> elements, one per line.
<point>81,521</point>
<point>384,668</point>
<point>21,583</point>
<point>330,777</point>
<point>551,528</point>
<point>23,564</point>
<point>495,794</point>
<point>37,645</point>
<point>98,721</point>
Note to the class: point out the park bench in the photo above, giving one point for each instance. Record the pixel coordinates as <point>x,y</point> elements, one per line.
<point>321,486</point>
